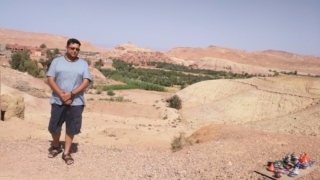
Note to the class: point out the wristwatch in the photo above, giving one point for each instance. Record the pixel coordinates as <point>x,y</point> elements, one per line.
<point>72,95</point>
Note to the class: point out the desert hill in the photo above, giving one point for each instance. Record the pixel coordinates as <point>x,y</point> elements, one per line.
<point>135,54</point>
<point>8,36</point>
<point>286,101</point>
<point>270,59</point>
<point>221,59</point>
<point>212,57</point>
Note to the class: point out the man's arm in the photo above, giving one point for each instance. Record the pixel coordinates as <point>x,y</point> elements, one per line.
<point>53,85</point>
<point>85,83</point>
<point>67,95</point>
<point>55,88</point>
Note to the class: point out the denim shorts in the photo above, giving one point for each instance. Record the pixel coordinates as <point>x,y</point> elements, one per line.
<point>72,115</point>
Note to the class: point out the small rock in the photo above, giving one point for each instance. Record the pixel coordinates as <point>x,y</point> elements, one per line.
<point>200,171</point>
<point>230,163</point>
<point>183,172</point>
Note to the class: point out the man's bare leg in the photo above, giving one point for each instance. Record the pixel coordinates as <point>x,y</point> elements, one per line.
<point>68,142</point>
<point>56,146</point>
<point>69,139</point>
<point>56,140</point>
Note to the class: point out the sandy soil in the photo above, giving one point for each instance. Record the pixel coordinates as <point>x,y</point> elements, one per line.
<point>233,154</point>
<point>255,121</point>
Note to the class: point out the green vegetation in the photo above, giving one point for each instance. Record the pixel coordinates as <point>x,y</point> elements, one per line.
<point>110,93</point>
<point>43,45</point>
<point>50,56</point>
<point>21,61</point>
<point>165,75</point>
<point>179,142</point>
<point>56,51</point>
<point>99,91</point>
<point>293,73</point>
<point>115,99</point>
<point>132,84</point>
<point>174,102</point>
<point>290,73</point>
<point>169,74</point>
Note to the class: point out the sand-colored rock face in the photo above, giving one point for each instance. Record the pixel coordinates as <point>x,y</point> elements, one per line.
<point>32,104</point>
<point>227,65</point>
<point>8,36</point>
<point>135,54</point>
<point>248,100</point>
<point>25,82</point>
<point>12,106</point>
<point>130,47</point>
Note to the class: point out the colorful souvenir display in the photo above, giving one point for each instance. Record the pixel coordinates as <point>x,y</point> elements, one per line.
<point>290,165</point>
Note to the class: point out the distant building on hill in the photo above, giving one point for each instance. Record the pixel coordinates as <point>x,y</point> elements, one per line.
<point>35,51</point>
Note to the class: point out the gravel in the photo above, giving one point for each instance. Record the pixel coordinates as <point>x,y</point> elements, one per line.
<point>231,156</point>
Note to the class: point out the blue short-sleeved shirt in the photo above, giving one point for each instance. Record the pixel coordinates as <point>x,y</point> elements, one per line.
<point>68,76</point>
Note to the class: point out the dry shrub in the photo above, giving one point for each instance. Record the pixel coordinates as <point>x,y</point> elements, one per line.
<point>174,102</point>
<point>179,142</point>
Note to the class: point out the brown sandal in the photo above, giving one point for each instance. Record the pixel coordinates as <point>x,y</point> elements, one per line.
<point>54,151</point>
<point>67,158</point>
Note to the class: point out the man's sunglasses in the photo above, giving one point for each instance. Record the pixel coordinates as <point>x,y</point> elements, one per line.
<point>73,48</point>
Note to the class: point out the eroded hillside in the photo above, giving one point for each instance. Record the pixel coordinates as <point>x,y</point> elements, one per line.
<point>255,101</point>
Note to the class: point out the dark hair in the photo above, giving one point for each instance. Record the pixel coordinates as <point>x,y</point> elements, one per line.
<point>73,41</point>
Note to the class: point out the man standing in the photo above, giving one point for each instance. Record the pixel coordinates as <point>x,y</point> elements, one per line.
<point>68,76</point>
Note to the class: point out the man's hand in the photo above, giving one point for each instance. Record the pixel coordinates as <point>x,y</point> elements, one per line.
<point>65,96</point>
<point>68,102</point>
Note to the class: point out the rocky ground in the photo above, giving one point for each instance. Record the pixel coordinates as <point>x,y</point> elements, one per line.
<point>235,154</point>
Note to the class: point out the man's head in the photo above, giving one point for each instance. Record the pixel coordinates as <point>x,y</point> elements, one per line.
<point>73,47</point>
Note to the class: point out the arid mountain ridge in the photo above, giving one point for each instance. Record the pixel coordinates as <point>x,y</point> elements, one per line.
<point>212,57</point>
<point>8,36</point>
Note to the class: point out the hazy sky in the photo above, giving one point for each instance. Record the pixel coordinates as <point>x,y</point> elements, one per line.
<point>288,25</point>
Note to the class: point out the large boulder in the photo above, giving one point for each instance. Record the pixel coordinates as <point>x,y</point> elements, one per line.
<point>12,106</point>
